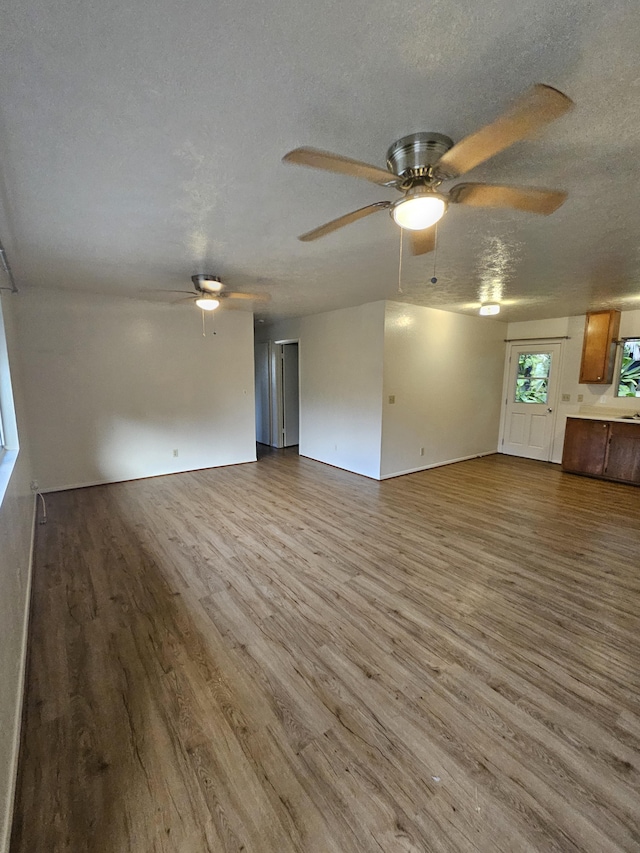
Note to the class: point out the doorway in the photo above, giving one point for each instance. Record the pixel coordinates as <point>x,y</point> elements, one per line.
<point>263,393</point>
<point>277,394</point>
<point>532,376</point>
<point>288,403</point>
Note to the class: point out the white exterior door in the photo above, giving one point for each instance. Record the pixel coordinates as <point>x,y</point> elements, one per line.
<point>530,399</point>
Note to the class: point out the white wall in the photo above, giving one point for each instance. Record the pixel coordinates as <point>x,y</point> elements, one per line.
<point>444,369</point>
<point>16,527</point>
<point>603,396</point>
<point>445,372</point>
<point>113,385</point>
<point>340,356</point>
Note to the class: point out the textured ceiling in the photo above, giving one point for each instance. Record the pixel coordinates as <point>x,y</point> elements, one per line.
<point>142,142</point>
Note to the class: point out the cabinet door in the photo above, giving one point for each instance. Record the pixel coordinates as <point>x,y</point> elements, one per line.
<point>598,349</point>
<point>585,446</point>
<point>623,458</point>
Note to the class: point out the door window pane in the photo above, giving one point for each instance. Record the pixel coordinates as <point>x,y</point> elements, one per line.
<point>532,380</point>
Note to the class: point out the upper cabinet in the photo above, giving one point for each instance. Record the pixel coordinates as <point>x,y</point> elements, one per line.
<point>599,347</point>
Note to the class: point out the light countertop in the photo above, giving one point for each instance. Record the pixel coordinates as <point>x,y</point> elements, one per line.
<point>617,420</point>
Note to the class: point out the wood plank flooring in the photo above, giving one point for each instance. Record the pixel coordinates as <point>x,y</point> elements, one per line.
<point>283,657</point>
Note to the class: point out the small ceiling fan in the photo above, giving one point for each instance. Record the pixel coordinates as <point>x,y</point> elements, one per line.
<point>419,163</point>
<point>209,292</point>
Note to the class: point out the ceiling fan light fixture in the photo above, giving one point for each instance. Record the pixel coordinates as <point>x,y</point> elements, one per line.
<point>207,303</point>
<point>489,308</point>
<point>419,210</point>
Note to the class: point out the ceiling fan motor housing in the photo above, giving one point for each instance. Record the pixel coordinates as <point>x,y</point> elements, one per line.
<point>414,155</point>
<point>206,283</point>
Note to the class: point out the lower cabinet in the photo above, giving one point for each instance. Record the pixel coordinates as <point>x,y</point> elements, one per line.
<point>585,446</point>
<point>606,449</point>
<point>623,458</point>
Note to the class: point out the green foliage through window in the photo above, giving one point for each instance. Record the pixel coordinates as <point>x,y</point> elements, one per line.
<point>629,385</point>
<point>532,382</point>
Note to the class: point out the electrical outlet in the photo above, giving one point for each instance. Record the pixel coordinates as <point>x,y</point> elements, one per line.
<point>175,452</point>
<point>566,398</point>
<point>392,398</point>
<point>33,485</point>
<point>580,397</point>
<point>422,451</point>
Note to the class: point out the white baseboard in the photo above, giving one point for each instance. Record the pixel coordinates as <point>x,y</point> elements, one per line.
<point>50,489</point>
<point>20,695</point>
<point>437,464</point>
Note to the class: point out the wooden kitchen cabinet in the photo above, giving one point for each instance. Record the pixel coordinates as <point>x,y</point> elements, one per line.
<point>585,446</point>
<point>599,348</point>
<point>608,449</point>
<point>623,457</point>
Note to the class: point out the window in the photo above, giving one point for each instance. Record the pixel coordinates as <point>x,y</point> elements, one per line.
<point>8,430</point>
<point>629,383</point>
<point>7,416</point>
<point>532,381</point>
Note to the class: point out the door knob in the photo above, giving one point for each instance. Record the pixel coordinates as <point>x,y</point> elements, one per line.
<point>549,410</point>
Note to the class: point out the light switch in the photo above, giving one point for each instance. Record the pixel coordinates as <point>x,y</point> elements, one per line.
<point>566,398</point>
<point>392,398</point>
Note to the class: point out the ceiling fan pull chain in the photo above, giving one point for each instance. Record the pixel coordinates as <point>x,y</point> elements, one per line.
<point>400,263</point>
<point>204,331</point>
<point>434,280</point>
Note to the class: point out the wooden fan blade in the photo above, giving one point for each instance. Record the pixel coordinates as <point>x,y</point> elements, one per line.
<point>529,199</point>
<point>317,159</point>
<point>341,221</point>
<point>423,242</point>
<point>254,297</point>
<point>190,292</point>
<point>538,107</point>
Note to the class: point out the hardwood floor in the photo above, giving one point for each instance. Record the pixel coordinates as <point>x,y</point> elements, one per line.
<point>283,657</point>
